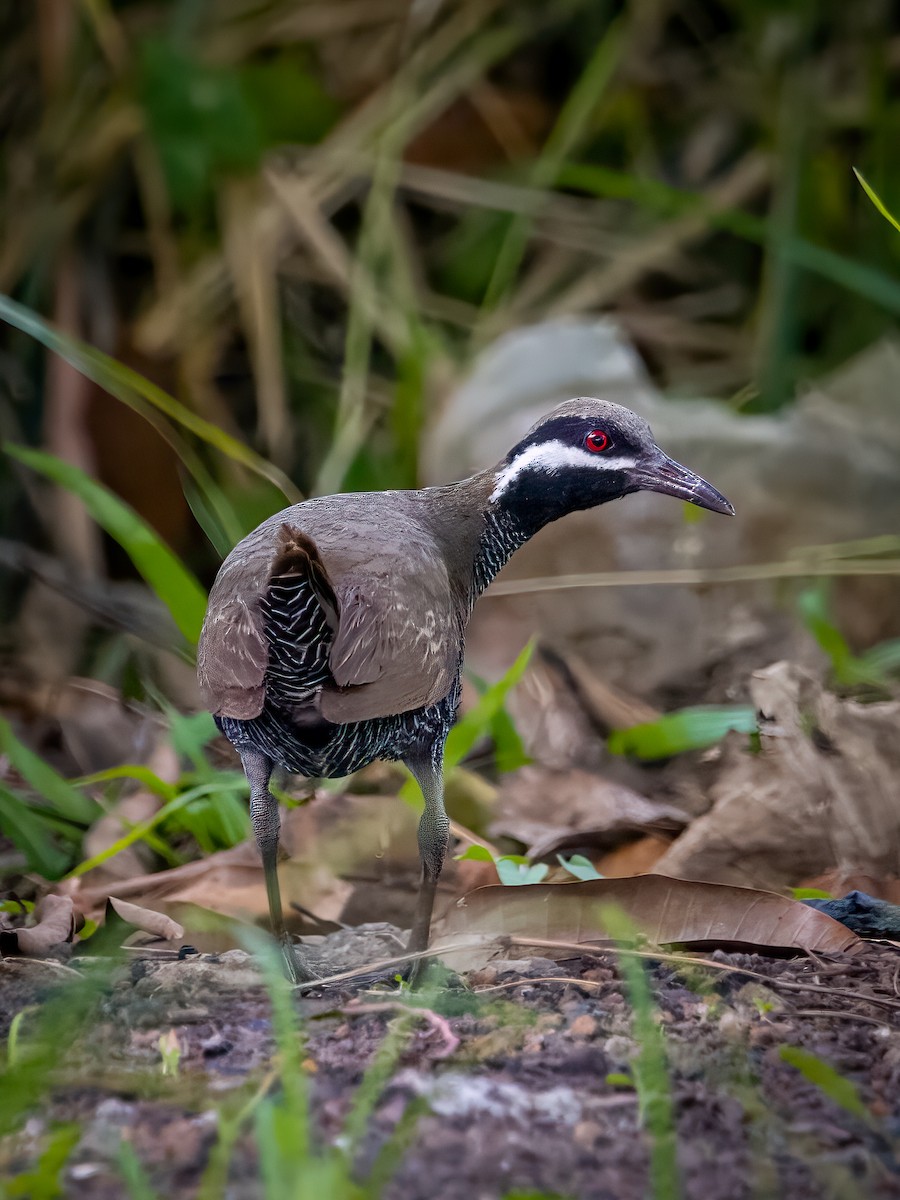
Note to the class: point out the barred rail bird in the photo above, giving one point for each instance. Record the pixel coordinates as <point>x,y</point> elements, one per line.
<point>335,631</point>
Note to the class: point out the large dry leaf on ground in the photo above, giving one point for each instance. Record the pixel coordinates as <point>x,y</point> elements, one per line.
<point>54,926</point>
<point>549,811</point>
<point>666,911</point>
<point>821,792</point>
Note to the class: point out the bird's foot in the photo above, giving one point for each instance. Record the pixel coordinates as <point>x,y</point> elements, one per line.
<point>394,976</point>
<point>298,966</point>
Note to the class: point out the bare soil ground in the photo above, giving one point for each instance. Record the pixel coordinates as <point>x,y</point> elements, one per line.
<point>512,1070</point>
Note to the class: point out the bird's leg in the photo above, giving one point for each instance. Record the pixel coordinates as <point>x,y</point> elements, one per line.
<point>434,838</point>
<point>266,826</point>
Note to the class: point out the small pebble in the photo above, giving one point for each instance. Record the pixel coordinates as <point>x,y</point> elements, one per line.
<point>215,1046</point>
<point>584,1026</point>
<point>587,1133</point>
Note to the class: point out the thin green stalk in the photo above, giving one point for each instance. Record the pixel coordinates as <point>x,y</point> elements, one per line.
<point>140,831</point>
<point>651,1072</point>
<point>352,419</point>
<point>131,388</point>
<point>778,333</point>
<point>569,129</point>
<point>414,99</point>
<point>661,197</point>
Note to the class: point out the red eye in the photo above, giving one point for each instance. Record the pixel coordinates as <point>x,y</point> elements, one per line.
<point>596,441</point>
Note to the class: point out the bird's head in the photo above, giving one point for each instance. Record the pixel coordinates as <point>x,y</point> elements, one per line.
<point>586,452</point>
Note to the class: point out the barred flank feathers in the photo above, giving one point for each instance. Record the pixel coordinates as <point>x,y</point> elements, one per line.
<point>300,615</point>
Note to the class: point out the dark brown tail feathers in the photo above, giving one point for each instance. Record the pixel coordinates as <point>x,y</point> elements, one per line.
<point>299,555</point>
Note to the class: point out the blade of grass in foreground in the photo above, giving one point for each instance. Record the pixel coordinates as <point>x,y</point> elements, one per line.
<point>125,383</point>
<point>164,572</point>
<point>876,200</point>
<point>32,834</point>
<point>66,799</point>
<point>650,1067</point>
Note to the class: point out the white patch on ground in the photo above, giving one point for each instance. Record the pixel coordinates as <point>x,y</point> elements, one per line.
<point>454,1094</point>
<point>553,457</point>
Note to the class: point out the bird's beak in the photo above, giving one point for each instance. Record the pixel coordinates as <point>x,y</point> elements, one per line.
<point>660,473</point>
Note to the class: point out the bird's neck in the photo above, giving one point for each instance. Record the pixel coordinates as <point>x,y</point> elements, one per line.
<point>482,521</point>
<point>501,537</point>
<point>517,509</point>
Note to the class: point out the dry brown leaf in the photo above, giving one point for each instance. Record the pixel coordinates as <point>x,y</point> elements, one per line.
<point>820,794</point>
<point>666,911</point>
<point>608,707</point>
<point>54,926</point>
<point>549,715</point>
<point>634,858</point>
<point>145,919</point>
<point>549,811</point>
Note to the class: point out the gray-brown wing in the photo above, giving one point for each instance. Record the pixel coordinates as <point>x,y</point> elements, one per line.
<point>233,655</point>
<point>398,643</point>
<point>395,640</point>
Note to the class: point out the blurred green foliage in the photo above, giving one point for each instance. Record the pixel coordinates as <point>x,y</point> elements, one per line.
<point>309,222</point>
<point>644,117</point>
<point>838,1088</point>
<point>163,571</point>
<point>208,121</point>
<point>873,669</point>
<point>650,1067</point>
<point>690,729</point>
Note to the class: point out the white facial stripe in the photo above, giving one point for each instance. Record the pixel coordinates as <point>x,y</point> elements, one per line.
<point>552,457</point>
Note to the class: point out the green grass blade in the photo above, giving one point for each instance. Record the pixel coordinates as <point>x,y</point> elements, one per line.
<point>477,723</point>
<point>44,1182</point>
<point>509,750</point>
<point>478,720</point>
<point>374,1081</point>
<point>134,1176</point>
<point>876,200</point>
<point>883,659</point>
<point>140,831</point>
<point>32,834</point>
<point>651,1070</point>
<point>566,133</point>
<point>842,1091</point>
<point>125,383</point>
<point>222,535</point>
<point>813,604</point>
<point>141,774</point>
<point>689,729</point>
<point>65,799</point>
<point>175,586</point>
<point>670,201</point>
